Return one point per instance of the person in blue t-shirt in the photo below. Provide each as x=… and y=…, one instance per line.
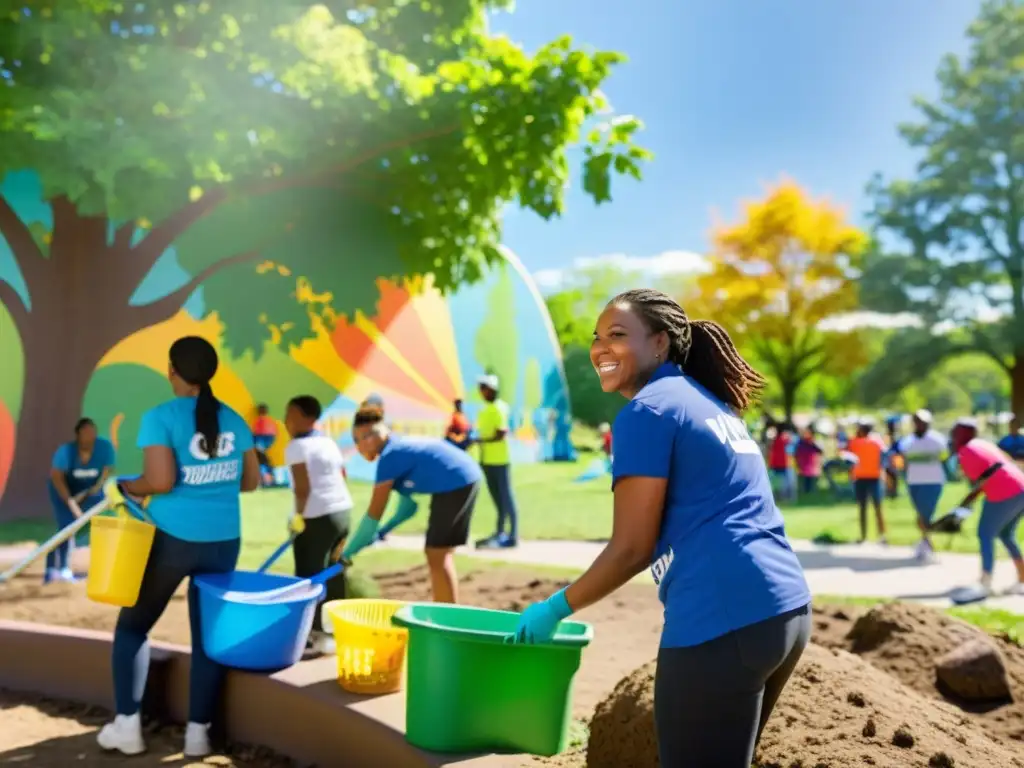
x=692, y=500
x=78, y=473
x=1012, y=444
x=418, y=465
x=198, y=454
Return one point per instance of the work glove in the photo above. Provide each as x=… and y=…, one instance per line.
x=362, y=538
x=538, y=623
x=296, y=525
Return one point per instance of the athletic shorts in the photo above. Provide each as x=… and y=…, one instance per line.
x=925, y=498
x=450, y=515
x=865, y=488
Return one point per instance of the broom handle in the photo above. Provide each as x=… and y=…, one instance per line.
x=54, y=541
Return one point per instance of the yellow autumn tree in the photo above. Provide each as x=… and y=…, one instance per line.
x=776, y=279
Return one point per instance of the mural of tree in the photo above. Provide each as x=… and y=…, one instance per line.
x=497, y=338
x=260, y=144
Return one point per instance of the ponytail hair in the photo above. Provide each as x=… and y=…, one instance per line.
x=194, y=361
x=701, y=348
x=208, y=419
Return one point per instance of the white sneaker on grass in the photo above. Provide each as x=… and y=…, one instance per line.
x=197, y=740
x=123, y=735
x=1016, y=589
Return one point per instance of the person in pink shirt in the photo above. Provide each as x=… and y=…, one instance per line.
x=808, y=455
x=993, y=474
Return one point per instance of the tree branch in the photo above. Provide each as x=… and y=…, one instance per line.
x=11, y=299
x=983, y=343
x=163, y=235
x=123, y=236
x=166, y=307
x=26, y=251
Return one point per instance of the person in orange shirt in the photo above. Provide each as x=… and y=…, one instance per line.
x=867, y=477
x=458, y=428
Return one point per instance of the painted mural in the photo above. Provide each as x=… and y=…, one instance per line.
x=314, y=303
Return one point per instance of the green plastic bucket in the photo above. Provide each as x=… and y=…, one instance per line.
x=467, y=690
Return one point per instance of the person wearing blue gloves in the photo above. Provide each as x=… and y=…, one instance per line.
x=418, y=465
x=693, y=501
x=198, y=454
x=78, y=473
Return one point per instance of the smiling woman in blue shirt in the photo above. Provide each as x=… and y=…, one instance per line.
x=198, y=454
x=693, y=501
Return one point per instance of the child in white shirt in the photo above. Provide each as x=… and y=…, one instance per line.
x=322, y=503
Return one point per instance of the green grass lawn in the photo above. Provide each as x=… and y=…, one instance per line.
x=552, y=506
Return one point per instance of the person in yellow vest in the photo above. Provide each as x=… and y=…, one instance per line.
x=492, y=426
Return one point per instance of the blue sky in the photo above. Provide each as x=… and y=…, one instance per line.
x=736, y=93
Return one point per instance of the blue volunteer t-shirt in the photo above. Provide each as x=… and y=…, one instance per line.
x=81, y=476
x=722, y=560
x=1013, y=446
x=203, y=505
x=425, y=465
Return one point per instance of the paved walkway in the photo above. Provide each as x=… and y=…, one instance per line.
x=865, y=570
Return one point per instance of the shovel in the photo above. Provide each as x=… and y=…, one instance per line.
x=54, y=541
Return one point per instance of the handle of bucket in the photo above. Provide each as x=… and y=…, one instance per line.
x=129, y=504
x=274, y=594
x=277, y=554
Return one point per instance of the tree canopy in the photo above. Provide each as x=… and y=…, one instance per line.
x=261, y=120
x=776, y=277
x=953, y=234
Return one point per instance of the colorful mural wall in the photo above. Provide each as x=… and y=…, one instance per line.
x=416, y=348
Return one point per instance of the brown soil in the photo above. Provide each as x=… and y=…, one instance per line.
x=864, y=694
x=905, y=640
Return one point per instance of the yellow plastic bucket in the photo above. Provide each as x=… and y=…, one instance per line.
x=371, y=652
x=118, y=552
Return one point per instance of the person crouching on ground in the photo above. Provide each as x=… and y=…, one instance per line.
x=323, y=504
x=198, y=454
x=994, y=475
x=418, y=465
x=693, y=501
x=922, y=452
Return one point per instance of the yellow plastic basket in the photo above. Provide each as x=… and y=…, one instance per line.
x=118, y=553
x=371, y=652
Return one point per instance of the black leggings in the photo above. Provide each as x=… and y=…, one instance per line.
x=313, y=548
x=171, y=561
x=711, y=701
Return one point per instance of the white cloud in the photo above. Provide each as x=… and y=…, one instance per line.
x=661, y=265
x=850, y=320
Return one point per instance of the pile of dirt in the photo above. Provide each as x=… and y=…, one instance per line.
x=45, y=733
x=838, y=711
x=910, y=641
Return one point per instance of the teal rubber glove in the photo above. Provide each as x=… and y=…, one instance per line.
x=407, y=507
x=362, y=538
x=538, y=622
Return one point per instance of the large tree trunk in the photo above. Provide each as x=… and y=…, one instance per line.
x=79, y=310
x=789, y=390
x=1017, y=385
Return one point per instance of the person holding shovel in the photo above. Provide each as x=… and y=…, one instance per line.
x=694, y=503
x=995, y=476
x=78, y=473
x=319, y=521
x=197, y=456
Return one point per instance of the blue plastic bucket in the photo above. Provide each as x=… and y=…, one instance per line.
x=260, y=637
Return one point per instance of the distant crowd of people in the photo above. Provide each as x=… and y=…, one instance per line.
x=870, y=466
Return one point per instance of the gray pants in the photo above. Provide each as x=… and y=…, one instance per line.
x=312, y=548
x=711, y=701
x=499, y=484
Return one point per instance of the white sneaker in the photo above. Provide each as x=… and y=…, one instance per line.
x=123, y=735
x=68, y=575
x=197, y=740
x=1016, y=589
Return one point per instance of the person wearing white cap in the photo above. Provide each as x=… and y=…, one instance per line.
x=492, y=426
x=922, y=451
